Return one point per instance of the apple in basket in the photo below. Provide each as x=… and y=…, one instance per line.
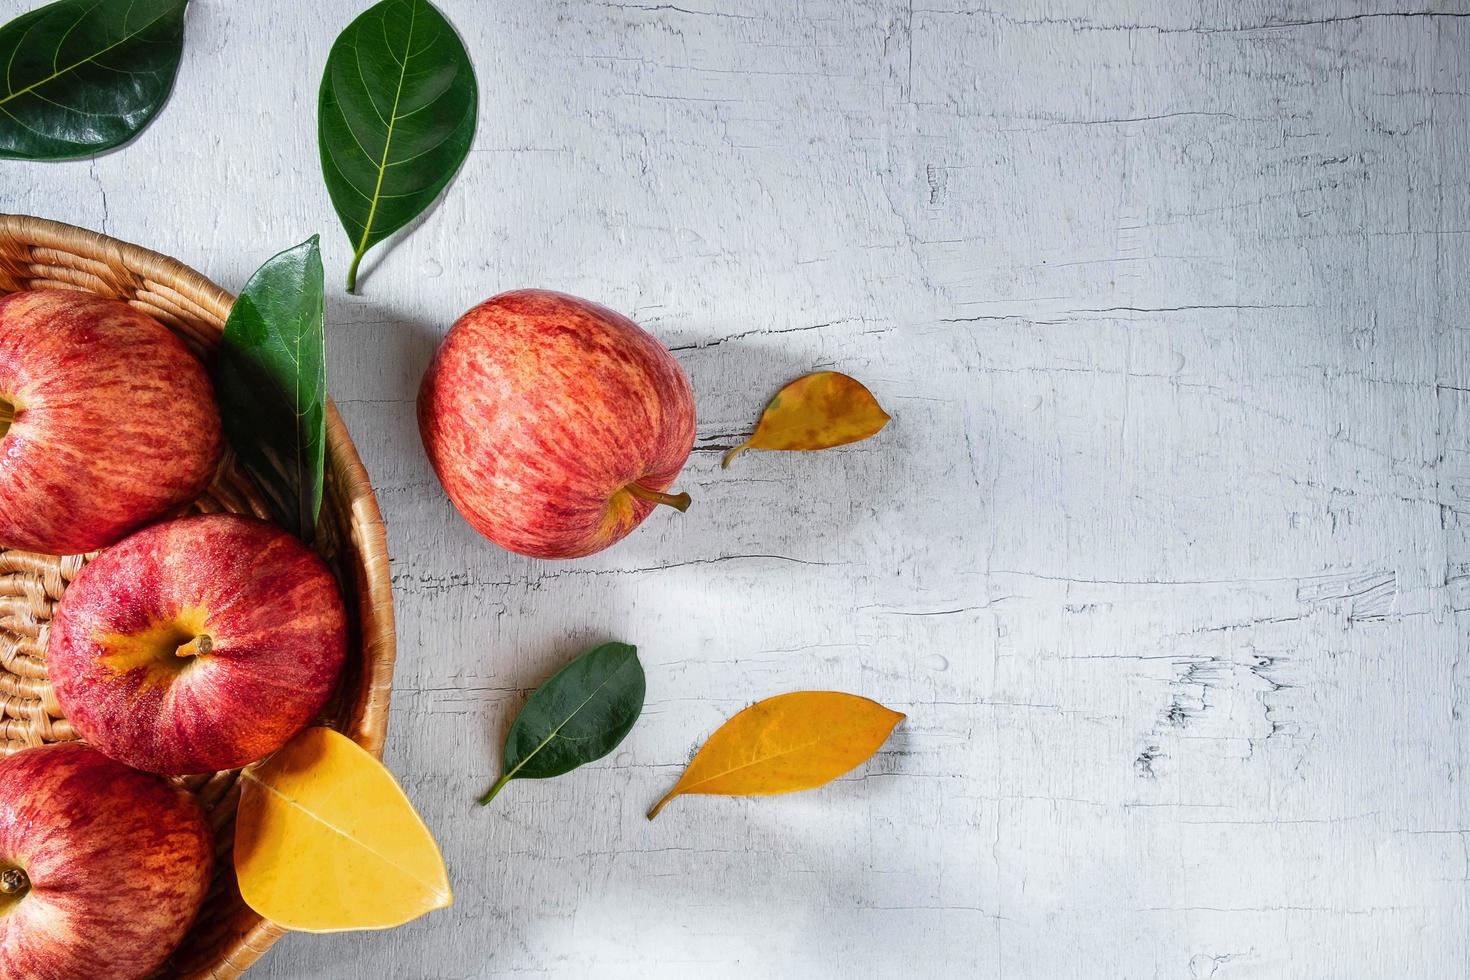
x=102, y=868
x=198, y=644
x=555, y=425
x=107, y=421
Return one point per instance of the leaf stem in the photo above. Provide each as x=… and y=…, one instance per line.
x=678, y=501
x=725, y=463
x=661, y=803
x=352, y=272
x=495, y=790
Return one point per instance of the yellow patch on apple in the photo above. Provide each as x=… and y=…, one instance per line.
x=162, y=649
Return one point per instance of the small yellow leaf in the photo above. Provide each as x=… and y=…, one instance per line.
x=325, y=841
x=786, y=743
x=818, y=411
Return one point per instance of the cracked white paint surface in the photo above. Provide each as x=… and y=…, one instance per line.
x=1166, y=554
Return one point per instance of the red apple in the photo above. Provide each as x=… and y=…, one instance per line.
x=107, y=422
x=102, y=868
x=198, y=644
x=555, y=424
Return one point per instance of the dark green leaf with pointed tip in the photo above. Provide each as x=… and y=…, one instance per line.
x=84, y=76
x=577, y=717
x=272, y=384
x=395, y=118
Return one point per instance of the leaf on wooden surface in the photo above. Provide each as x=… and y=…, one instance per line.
x=576, y=717
x=817, y=411
x=787, y=743
x=83, y=76
x=395, y=118
x=325, y=841
x=272, y=384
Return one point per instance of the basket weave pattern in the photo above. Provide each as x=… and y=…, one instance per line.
x=40, y=254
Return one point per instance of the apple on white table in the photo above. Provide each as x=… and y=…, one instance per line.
x=554, y=424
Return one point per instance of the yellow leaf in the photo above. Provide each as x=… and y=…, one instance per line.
x=818, y=411
x=786, y=743
x=325, y=841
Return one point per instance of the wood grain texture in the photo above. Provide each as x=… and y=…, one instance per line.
x=1166, y=553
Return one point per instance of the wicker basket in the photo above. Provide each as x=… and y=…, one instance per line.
x=35, y=253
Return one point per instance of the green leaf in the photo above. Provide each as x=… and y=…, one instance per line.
x=577, y=717
x=395, y=119
x=83, y=76
x=272, y=384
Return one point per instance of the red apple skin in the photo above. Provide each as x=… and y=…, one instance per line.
x=115, y=422
x=540, y=408
x=118, y=861
x=270, y=608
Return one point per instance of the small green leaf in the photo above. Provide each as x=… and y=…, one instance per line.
x=577, y=717
x=395, y=118
x=83, y=76
x=272, y=384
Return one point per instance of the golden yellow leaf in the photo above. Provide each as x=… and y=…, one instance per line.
x=325, y=841
x=818, y=411
x=786, y=743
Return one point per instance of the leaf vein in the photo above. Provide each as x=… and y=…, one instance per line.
x=92, y=57
x=567, y=720
x=431, y=887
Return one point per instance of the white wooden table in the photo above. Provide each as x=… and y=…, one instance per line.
x=1165, y=553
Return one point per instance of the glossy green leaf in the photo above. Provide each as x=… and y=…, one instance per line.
x=84, y=76
x=577, y=717
x=395, y=119
x=272, y=384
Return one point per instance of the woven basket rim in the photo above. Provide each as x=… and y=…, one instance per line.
x=145, y=268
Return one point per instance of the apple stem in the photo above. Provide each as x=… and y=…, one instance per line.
x=14, y=881
x=678, y=501
x=7, y=415
x=199, y=646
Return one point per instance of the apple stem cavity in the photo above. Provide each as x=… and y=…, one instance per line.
x=7, y=415
x=678, y=501
x=14, y=882
x=197, y=647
